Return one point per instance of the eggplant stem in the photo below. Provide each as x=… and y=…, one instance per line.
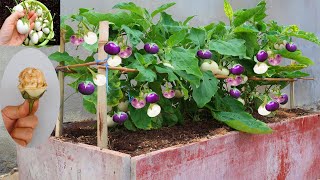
x=31, y=102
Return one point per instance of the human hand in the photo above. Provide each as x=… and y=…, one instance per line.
x=9, y=35
x=20, y=123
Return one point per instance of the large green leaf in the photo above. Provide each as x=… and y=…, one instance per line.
x=140, y=118
x=130, y=125
x=171, y=76
x=242, y=121
x=233, y=47
x=146, y=59
x=162, y=8
x=297, y=56
x=192, y=79
x=228, y=10
x=176, y=38
x=94, y=18
x=185, y=60
x=142, y=121
x=244, y=15
x=171, y=116
x=133, y=34
x=197, y=36
x=261, y=13
x=295, y=74
x=245, y=28
x=90, y=103
x=130, y=6
x=232, y=104
x=145, y=75
x=207, y=89
x=251, y=44
x=169, y=24
x=61, y=57
x=288, y=68
x=304, y=35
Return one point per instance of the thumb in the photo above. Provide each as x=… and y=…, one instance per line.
x=15, y=16
x=16, y=112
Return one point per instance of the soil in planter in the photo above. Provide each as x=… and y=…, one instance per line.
x=52, y=5
x=141, y=142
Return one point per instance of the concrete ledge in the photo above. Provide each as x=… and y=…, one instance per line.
x=63, y=160
x=291, y=152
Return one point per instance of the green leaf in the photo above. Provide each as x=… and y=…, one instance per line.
x=233, y=47
x=194, y=80
x=140, y=118
x=94, y=18
x=130, y=125
x=176, y=38
x=261, y=13
x=288, y=68
x=171, y=116
x=69, y=32
x=185, y=22
x=115, y=93
x=169, y=25
x=304, y=35
x=142, y=121
x=171, y=76
x=251, y=44
x=90, y=103
x=228, y=10
x=130, y=6
x=61, y=57
x=91, y=48
x=207, y=89
x=197, y=36
x=297, y=56
x=295, y=74
x=245, y=15
x=146, y=59
x=162, y=8
x=134, y=35
x=245, y=28
x=185, y=60
x=145, y=75
x=243, y=121
x=233, y=105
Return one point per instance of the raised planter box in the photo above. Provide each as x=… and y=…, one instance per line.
x=291, y=152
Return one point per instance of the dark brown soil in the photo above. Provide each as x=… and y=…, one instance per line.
x=140, y=142
x=52, y=5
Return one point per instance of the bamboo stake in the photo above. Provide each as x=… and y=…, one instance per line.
x=102, y=126
x=59, y=123
x=292, y=99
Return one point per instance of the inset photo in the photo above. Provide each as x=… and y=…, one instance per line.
x=30, y=23
x=30, y=98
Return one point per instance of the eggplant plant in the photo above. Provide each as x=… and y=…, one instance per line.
x=177, y=65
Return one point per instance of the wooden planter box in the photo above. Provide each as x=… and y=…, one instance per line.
x=291, y=152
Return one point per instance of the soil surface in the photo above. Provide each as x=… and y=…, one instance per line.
x=141, y=142
x=52, y=5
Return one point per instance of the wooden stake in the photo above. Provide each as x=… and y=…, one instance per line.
x=292, y=104
x=59, y=123
x=102, y=127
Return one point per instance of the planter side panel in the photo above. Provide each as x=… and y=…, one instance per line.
x=291, y=152
x=59, y=160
